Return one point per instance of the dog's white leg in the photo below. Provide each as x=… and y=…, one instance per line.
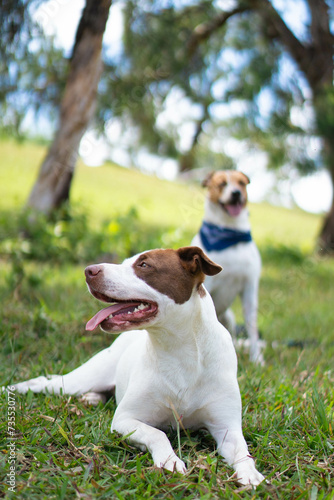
x=148, y=438
x=232, y=446
x=96, y=375
x=250, y=305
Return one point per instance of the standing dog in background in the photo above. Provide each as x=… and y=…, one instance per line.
x=226, y=238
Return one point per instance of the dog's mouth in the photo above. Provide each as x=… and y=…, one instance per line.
x=233, y=209
x=121, y=314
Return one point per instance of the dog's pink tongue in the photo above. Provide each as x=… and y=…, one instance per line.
x=234, y=210
x=101, y=316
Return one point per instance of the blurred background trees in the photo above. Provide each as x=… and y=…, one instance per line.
x=76, y=109
x=72, y=89
x=257, y=71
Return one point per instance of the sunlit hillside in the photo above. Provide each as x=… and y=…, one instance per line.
x=111, y=189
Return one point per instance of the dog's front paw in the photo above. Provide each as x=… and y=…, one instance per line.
x=37, y=384
x=247, y=474
x=173, y=463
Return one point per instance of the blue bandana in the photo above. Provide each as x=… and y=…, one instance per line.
x=219, y=238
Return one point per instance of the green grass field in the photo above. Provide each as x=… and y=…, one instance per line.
x=64, y=449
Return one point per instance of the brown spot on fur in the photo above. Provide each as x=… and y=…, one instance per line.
x=175, y=273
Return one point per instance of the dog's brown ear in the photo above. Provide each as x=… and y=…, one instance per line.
x=195, y=260
x=205, y=182
x=246, y=178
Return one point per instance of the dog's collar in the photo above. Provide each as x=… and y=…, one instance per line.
x=219, y=238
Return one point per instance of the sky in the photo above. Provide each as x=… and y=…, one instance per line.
x=312, y=193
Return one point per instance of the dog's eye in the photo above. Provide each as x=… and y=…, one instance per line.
x=242, y=183
x=223, y=184
x=143, y=264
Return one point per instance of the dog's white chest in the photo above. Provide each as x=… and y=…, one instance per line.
x=182, y=409
x=241, y=265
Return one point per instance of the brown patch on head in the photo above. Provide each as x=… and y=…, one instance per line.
x=175, y=273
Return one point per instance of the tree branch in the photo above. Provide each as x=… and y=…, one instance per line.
x=320, y=27
x=281, y=30
x=316, y=65
x=203, y=31
x=322, y=38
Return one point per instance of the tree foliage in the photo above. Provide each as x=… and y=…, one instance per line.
x=32, y=70
x=246, y=56
x=213, y=57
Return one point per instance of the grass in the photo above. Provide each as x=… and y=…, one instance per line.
x=64, y=449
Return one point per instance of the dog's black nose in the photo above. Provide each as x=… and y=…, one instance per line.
x=236, y=195
x=92, y=271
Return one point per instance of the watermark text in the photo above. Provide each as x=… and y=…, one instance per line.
x=11, y=434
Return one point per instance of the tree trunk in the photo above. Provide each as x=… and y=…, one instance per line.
x=326, y=236
x=53, y=184
x=187, y=160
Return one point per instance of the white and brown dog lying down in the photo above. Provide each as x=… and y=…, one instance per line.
x=174, y=365
x=226, y=238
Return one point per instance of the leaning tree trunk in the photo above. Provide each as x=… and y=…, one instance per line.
x=326, y=236
x=53, y=184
